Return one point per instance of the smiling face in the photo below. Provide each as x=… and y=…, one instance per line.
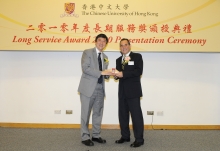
x=100, y=43
x=125, y=47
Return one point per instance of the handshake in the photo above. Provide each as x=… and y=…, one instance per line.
x=112, y=72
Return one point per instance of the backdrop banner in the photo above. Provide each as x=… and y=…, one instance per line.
x=150, y=25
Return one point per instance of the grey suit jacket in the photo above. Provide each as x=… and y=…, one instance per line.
x=90, y=72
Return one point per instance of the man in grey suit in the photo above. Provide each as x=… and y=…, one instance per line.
x=92, y=89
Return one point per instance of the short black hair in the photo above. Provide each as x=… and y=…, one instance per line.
x=101, y=36
x=126, y=40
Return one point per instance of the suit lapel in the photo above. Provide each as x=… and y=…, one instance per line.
x=131, y=54
x=105, y=64
x=95, y=59
x=120, y=63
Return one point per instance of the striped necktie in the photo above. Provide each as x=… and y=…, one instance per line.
x=100, y=67
x=123, y=63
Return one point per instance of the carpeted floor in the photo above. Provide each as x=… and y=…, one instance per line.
x=26, y=139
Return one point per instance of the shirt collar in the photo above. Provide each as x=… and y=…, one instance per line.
x=97, y=51
x=127, y=54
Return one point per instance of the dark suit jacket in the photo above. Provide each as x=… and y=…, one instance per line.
x=130, y=83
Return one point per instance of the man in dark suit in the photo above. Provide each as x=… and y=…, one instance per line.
x=92, y=89
x=130, y=68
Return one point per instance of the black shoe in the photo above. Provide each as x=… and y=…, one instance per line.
x=88, y=142
x=122, y=140
x=99, y=140
x=137, y=144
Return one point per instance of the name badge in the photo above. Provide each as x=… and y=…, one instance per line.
x=131, y=63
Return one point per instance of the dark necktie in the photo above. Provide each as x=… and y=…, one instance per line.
x=123, y=63
x=100, y=67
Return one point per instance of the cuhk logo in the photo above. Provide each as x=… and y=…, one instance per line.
x=69, y=7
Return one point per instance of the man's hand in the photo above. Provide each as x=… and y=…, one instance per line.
x=119, y=74
x=116, y=71
x=107, y=72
